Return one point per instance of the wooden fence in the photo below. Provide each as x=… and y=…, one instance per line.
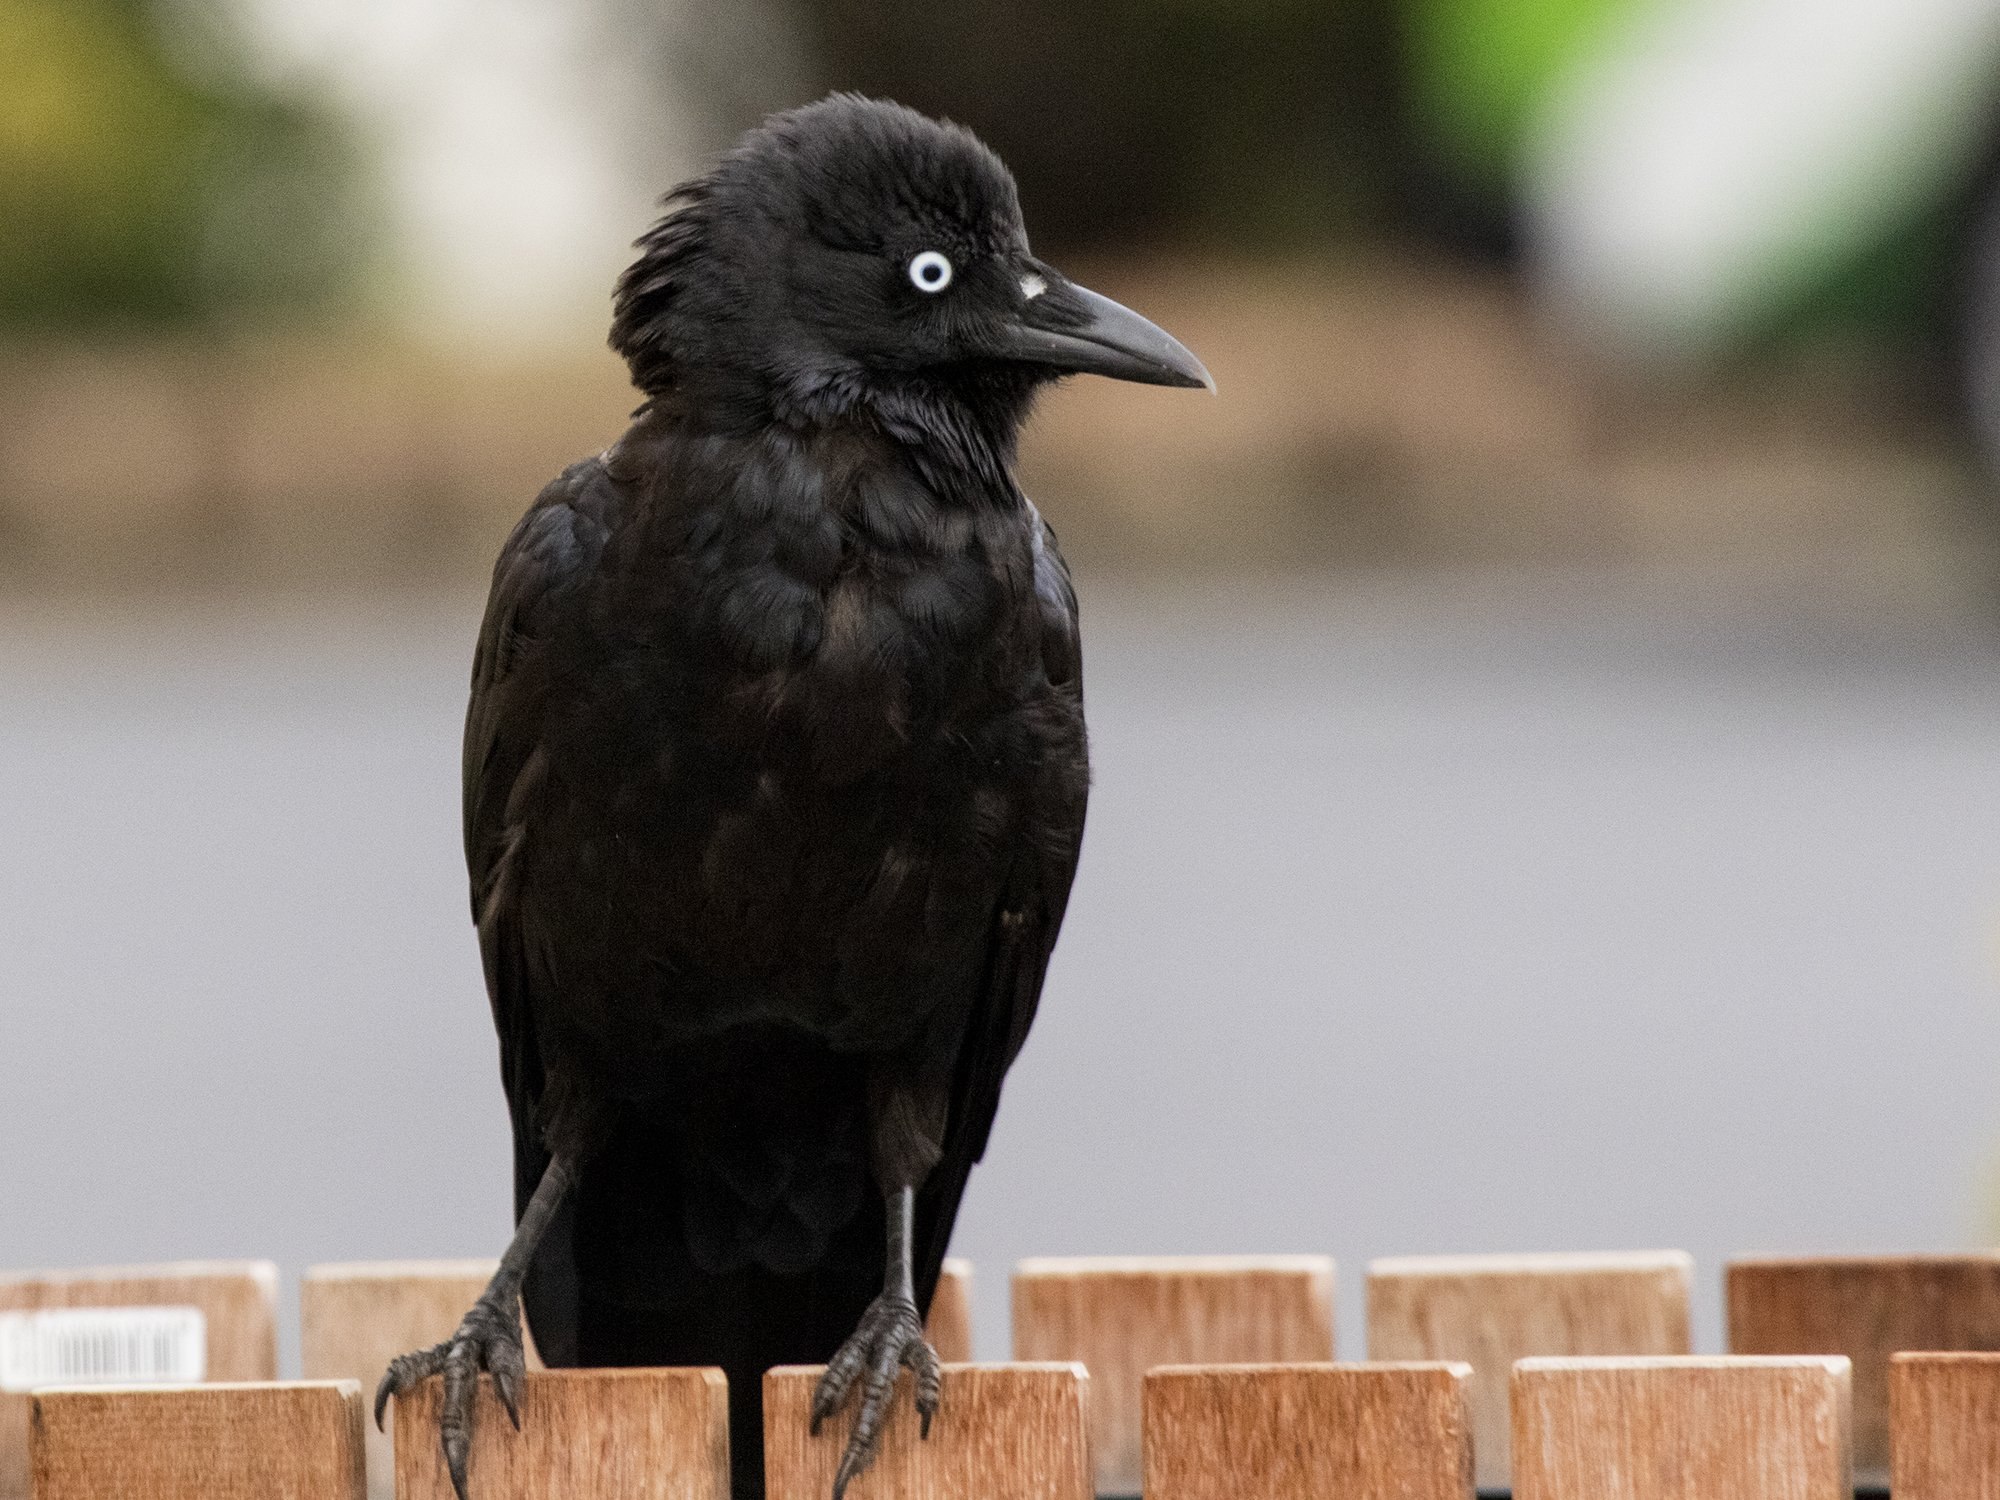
x=1560, y=1377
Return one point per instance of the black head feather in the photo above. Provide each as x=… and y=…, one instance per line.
x=788, y=259
x=785, y=284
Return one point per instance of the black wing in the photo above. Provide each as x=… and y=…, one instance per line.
x=1025, y=920
x=541, y=572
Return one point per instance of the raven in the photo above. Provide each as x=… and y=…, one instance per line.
x=775, y=774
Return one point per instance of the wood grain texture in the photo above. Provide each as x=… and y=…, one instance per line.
x=1681, y=1429
x=1003, y=1432
x=950, y=1323
x=265, y=1441
x=238, y=1300
x=1308, y=1432
x=1122, y=1316
x=355, y=1318
x=1867, y=1308
x=1490, y=1310
x=585, y=1435
x=1944, y=1426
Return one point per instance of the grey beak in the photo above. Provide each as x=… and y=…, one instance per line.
x=1109, y=339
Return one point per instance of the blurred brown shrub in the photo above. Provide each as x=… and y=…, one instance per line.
x=1368, y=414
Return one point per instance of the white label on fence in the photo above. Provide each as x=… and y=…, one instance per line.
x=103, y=1346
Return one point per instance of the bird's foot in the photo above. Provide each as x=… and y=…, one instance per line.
x=890, y=1336
x=489, y=1339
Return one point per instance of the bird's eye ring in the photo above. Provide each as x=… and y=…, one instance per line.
x=930, y=272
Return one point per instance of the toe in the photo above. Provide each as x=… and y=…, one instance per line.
x=877, y=1394
x=923, y=1362
x=405, y=1371
x=461, y=1386
x=509, y=1367
x=852, y=1462
x=456, y=1450
x=863, y=1441
x=838, y=1379
x=508, y=1389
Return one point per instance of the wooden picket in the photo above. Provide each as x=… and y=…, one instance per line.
x=584, y=1435
x=1944, y=1426
x=1867, y=1308
x=1122, y=1316
x=1490, y=1310
x=1308, y=1432
x=950, y=1322
x=237, y=1301
x=260, y=1441
x=1003, y=1432
x=1728, y=1428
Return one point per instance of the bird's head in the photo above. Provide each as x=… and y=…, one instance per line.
x=854, y=255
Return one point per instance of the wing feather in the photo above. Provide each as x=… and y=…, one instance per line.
x=536, y=582
x=1024, y=924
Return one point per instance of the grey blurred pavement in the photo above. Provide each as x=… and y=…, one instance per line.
x=1426, y=914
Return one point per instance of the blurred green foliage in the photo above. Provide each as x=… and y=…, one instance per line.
x=1242, y=122
x=1251, y=122
x=1481, y=69
x=146, y=178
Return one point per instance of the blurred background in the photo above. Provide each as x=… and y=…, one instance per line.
x=1547, y=710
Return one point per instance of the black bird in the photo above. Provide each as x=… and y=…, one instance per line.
x=775, y=774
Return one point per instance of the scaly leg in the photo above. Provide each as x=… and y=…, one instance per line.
x=890, y=1335
x=489, y=1339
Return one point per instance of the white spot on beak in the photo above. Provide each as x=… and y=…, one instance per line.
x=1032, y=286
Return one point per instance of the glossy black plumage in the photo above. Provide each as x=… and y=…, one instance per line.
x=778, y=826
x=775, y=764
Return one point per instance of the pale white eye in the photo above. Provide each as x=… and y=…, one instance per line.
x=930, y=272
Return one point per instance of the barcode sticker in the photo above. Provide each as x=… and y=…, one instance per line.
x=103, y=1346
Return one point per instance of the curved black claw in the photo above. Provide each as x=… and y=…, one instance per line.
x=891, y=1335
x=490, y=1340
